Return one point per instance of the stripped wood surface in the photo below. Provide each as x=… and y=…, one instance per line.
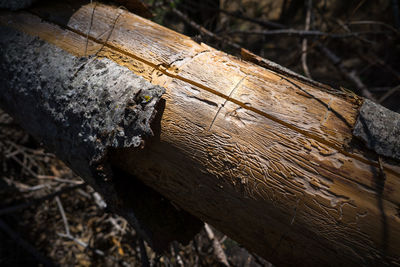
x=267, y=159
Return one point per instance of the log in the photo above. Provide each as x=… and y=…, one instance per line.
x=266, y=157
x=80, y=108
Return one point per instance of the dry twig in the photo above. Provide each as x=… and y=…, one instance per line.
x=63, y=216
x=237, y=14
x=305, y=33
x=389, y=93
x=350, y=75
x=304, y=42
x=218, y=251
x=203, y=30
x=81, y=243
x=363, y=22
x=57, y=179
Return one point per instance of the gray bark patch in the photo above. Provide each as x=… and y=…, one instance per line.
x=379, y=128
x=89, y=104
x=78, y=108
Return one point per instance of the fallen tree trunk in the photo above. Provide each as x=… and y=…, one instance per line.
x=266, y=157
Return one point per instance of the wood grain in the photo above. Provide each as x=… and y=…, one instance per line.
x=267, y=159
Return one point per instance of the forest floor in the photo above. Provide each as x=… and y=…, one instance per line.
x=49, y=216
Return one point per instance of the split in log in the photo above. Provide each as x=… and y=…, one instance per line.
x=267, y=158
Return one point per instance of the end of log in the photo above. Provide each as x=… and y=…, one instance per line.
x=92, y=105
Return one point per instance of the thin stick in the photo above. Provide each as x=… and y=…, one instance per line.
x=265, y=23
x=57, y=179
x=360, y=22
x=109, y=35
x=350, y=75
x=389, y=93
x=99, y=200
x=90, y=27
x=24, y=187
x=63, y=216
x=306, y=34
x=24, y=167
x=304, y=43
x=218, y=251
x=372, y=58
x=226, y=100
x=203, y=30
x=101, y=48
x=82, y=244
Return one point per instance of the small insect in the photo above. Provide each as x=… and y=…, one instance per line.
x=146, y=99
x=142, y=98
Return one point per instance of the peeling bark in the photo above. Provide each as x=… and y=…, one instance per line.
x=80, y=108
x=379, y=128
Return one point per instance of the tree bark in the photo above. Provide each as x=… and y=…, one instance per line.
x=267, y=158
x=81, y=108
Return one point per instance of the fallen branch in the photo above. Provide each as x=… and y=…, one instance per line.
x=305, y=33
x=304, y=42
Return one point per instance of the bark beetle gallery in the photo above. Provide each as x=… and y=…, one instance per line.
x=266, y=157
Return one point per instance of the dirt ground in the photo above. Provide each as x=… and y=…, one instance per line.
x=48, y=216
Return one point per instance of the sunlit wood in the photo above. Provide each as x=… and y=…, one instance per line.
x=265, y=158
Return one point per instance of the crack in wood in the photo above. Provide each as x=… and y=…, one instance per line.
x=226, y=100
x=103, y=44
x=90, y=27
x=217, y=93
x=187, y=60
x=328, y=109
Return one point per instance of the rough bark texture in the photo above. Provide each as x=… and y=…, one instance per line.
x=266, y=158
x=80, y=108
x=379, y=128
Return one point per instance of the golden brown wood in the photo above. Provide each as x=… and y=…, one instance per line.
x=267, y=159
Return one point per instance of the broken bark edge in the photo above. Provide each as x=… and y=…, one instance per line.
x=379, y=128
x=81, y=108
